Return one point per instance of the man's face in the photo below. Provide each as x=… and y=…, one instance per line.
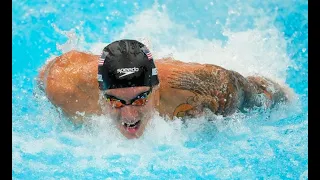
x=131, y=109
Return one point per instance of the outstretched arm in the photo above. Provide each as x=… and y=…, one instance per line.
x=260, y=91
x=188, y=88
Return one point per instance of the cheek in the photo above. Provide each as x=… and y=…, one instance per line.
x=108, y=110
x=104, y=107
x=147, y=109
x=152, y=103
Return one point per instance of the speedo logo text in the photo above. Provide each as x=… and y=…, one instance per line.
x=127, y=71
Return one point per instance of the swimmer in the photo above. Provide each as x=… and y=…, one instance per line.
x=128, y=85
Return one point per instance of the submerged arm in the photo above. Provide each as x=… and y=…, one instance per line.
x=222, y=91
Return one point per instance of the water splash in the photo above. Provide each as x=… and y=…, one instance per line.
x=256, y=145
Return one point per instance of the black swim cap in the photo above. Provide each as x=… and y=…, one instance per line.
x=126, y=63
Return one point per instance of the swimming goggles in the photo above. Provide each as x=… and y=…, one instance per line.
x=140, y=100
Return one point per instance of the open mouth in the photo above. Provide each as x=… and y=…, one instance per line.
x=131, y=127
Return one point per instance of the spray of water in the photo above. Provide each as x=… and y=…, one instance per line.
x=167, y=145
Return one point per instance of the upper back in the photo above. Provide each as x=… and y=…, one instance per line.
x=70, y=82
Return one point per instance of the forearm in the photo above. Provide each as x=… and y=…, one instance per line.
x=262, y=92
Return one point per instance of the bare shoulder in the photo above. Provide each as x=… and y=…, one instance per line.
x=176, y=63
x=187, y=88
x=70, y=82
x=73, y=59
x=168, y=66
x=65, y=64
x=66, y=59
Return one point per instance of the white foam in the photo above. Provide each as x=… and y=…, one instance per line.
x=255, y=51
x=261, y=50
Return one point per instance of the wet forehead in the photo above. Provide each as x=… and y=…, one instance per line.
x=127, y=93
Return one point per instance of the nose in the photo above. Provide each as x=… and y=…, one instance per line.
x=129, y=113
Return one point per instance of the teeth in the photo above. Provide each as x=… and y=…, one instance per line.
x=123, y=123
x=128, y=123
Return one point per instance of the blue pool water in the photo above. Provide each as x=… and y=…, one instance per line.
x=269, y=38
